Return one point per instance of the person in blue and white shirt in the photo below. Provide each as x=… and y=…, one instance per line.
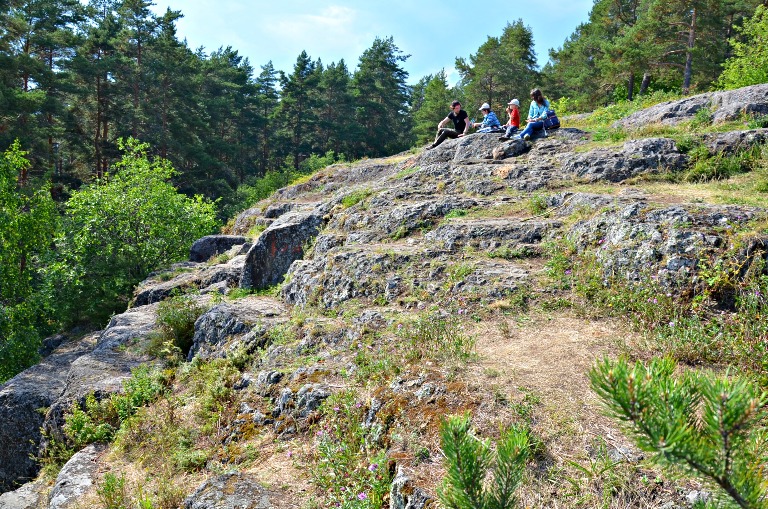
x=537, y=113
x=490, y=120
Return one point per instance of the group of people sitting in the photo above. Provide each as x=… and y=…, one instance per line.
x=537, y=113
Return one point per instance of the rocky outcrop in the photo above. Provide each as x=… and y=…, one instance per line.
x=218, y=278
x=231, y=491
x=228, y=326
x=282, y=243
x=21, y=399
x=28, y=496
x=212, y=245
x=638, y=241
x=404, y=494
x=721, y=106
x=76, y=477
x=636, y=157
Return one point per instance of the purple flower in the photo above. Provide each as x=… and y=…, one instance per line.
x=568, y=272
x=372, y=467
x=358, y=404
x=336, y=409
x=362, y=496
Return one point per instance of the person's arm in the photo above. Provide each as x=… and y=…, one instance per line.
x=443, y=122
x=467, y=126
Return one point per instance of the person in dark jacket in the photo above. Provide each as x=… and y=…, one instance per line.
x=460, y=121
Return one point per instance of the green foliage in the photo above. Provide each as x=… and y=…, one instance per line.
x=99, y=420
x=749, y=65
x=27, y=224
x=469, y=460
x=350, y=457
x=721, y=165
x=113, y=493
x=95, y=423
x=120, y=228
x=503, y=68
x=708, y=426
x=355, y=197
x=176, y=319
x=437, y=335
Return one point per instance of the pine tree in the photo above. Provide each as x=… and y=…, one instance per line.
x=469, y=460
x=435, y=107
x=712, y=427
x=381, y=95
x=503, y=68
x=298, y=108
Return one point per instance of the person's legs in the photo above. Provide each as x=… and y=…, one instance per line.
x=442, y=134
x=532, y=126
x=510, y=131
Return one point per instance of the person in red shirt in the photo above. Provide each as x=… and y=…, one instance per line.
x=513, y=124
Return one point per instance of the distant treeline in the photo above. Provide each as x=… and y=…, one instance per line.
x=76, y=78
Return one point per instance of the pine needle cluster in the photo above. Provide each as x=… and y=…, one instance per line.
x=711, y=427
x=470, y=461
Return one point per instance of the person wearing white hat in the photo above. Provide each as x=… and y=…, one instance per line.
x=513, y=124
x=490, y=120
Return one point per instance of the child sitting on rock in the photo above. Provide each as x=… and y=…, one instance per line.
x=490, y=121
x=513, y=124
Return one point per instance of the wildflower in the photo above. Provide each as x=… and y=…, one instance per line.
x=655, y=301
x=289, y=453
x=362, y=496
x=358, y=404
x=372, y=467
x=336, y=409
x=568, y=272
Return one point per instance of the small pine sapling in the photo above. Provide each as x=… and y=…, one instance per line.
x=711, y=427
x=469, y=460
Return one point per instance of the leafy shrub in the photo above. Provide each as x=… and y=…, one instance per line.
x=469, y=460
x=712, y=427
x=120, y=228
x=112, y=492
x=176, y=317
x=749, y=65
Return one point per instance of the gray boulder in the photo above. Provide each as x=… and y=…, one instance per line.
x=405, y=495
x=723, y=106
x=231, y=491
x=650, y=155
x=244, y=322
x=28, y=496
x=211, y=245
x=225, y=274
x=278, y=247
x=21, y=399
x=76, y=478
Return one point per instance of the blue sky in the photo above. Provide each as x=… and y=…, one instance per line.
x=433, y=32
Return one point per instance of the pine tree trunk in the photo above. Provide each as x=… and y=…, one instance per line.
x=689, y=53
x=631, y=86
x=645, y=84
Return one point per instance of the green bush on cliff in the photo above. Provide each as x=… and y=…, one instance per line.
x=119, y=229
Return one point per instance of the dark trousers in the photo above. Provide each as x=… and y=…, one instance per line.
x=444, y=133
